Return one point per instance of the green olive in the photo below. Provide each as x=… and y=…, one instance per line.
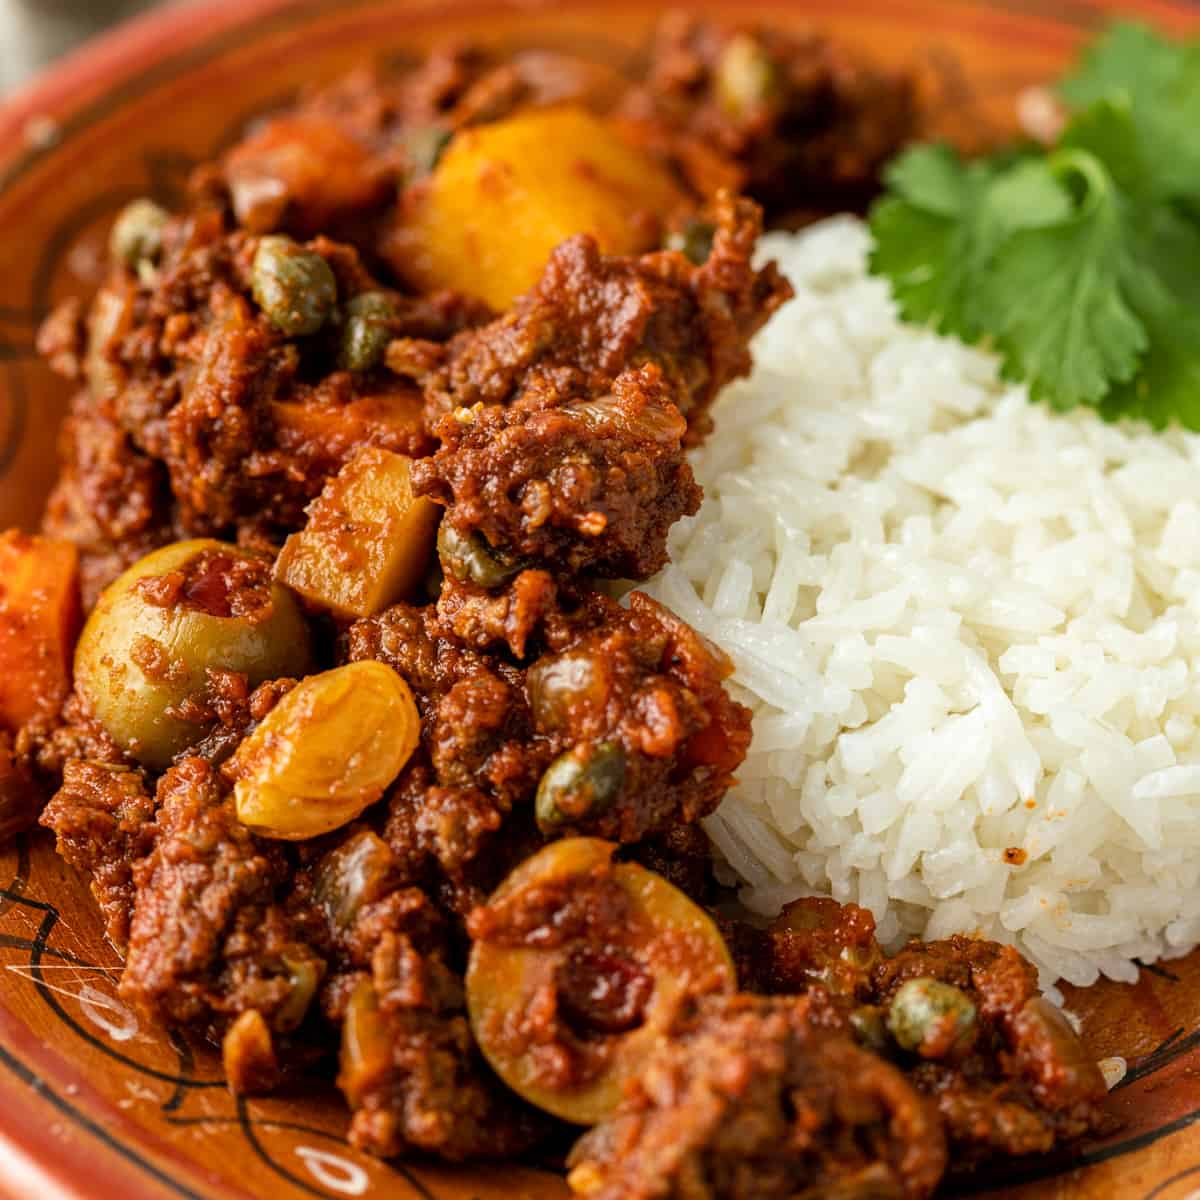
x=353, y=874
x=745, y=76
x=471, y=560
x=584, y=782
x=931, y=1018
x=612, y=988
x=304, y=977
x=694, y=241
x=295, y=287
x=137, y=661
x=136, y=236
x=367, y=1044
x=366, y=333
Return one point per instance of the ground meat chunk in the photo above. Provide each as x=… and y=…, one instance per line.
x=409, y=1068
x=110, y=499
x=635, y=684
x=595, y=484
x=208, y=941
x=102, y=817
x=591, y=317
x=203, y=419
x=1025, y=1081
x=792, y=118
x=750, y=1098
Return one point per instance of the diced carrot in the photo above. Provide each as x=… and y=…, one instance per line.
x=39, y=620
x=333, y=432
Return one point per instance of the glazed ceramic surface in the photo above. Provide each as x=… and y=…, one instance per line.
x=94, y=1102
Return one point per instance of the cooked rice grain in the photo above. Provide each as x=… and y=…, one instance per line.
x=968, y=629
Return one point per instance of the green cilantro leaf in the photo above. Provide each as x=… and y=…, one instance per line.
x=1053, y=297
x=1160, y=82
x=1079, y=264
x=941, y=225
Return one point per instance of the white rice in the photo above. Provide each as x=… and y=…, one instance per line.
x=964, y=624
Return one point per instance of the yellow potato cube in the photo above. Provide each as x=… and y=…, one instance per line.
x=368, y=540
x=504, y=195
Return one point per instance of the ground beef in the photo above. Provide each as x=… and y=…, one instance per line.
x=102, y=817
x=208, y=938
x=750, y=1098
x=1026, y=1081
x=795, y=120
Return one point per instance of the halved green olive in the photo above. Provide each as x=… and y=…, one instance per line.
x=328, y=749
x=582, y=783
x=471, y=560
x=931, y=1018
x=603, y=995
x=295, y=287
x=158, y=629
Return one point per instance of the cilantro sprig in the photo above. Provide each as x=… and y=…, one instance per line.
x=1079, y=263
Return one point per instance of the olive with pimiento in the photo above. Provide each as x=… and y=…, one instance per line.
x=610, y=949
x=158, y=630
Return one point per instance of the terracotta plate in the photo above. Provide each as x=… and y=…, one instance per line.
x=92, y=1102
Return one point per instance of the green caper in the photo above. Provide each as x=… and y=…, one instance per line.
x=136, y=237
x=931, y=1018
x=694, y=241
x=365, y=334
x=870, y=1028
x=577, y=786
x=293, y=286
x=745, y=75
x=425, y=147
x=470, y=559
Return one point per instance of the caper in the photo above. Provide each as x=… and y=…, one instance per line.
x=745, y=75
x=295, y=287
x=136, y=237
x=425, y=146
x=931, y=1018
x=365, y=334
x=694, y=241
x=470, y=559
x=870, y=1028
x=577, y=786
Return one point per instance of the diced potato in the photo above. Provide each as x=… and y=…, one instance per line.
x=505, y=194
x=368, y=540
x=39, y=618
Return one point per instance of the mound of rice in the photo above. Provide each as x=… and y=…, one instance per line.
x=968, y=629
